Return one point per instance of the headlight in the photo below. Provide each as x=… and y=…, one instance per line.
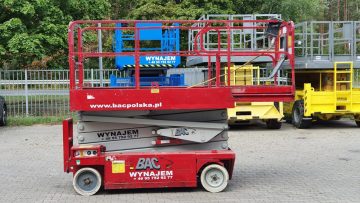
x=85, y=153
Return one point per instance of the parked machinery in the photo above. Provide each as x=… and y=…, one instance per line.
x=144, y=135
x=325, y=95
x=153, y=68
x=326, y=73
x=269, y=112
x=245, y=70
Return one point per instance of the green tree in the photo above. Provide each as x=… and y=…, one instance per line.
x=337, y=10
x=296, y=10
x=33, y=33
x=185, y=9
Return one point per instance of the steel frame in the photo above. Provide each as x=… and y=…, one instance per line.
x=241, y=34
x=321, y=43
x=210, y=96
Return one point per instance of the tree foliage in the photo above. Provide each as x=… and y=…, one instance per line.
x=33, y=33
x=186, y=9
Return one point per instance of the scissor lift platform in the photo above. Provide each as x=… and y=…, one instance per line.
x=161, y=136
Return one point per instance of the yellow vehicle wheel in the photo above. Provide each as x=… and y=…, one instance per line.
x=273, y=124
x=298, y=118
x=287, y=118
x=358, y=123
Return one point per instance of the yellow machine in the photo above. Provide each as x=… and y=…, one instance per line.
x=324, y=95
x=269, y=112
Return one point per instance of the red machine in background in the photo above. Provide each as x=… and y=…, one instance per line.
x=164, y=136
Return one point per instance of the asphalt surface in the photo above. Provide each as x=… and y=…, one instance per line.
x=288, y=165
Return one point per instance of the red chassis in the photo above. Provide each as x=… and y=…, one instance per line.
x=142, y=170
x=173, y=98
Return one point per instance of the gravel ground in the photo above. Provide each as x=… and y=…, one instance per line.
x=288, y=165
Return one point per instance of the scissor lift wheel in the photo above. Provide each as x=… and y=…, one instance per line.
x=214, y=178
x=87, y=181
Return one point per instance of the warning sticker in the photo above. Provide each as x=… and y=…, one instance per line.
x=155, y=90
x=118, y=166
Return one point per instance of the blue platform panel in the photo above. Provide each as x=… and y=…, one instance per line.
x=168, y=40
x=172, y=80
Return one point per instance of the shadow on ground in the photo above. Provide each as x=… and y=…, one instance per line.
x=261, y=126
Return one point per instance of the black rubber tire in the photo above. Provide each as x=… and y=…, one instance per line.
x=3, y=115
x=297, y=115
x=288, y=118
x=273, y=124
x=357, y=123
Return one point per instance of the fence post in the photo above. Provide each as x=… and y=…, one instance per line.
x=92, y=77
x=100, y=57
x=26, y=93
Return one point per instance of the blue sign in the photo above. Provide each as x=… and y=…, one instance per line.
x=169, y=42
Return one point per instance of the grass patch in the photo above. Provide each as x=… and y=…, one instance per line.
x=32, y=120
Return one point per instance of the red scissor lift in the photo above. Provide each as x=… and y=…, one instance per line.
x=151, y=137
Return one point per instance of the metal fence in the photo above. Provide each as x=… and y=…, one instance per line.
x=241, y=39
x=46, y=92
x=43, y=92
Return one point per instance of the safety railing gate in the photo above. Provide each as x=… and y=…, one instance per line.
x=319, y=42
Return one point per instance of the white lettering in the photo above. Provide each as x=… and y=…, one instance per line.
x=151, y=174
x=133, y=174
x=160, y=59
